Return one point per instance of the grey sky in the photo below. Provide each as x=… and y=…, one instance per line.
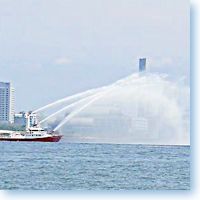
x=53, y=48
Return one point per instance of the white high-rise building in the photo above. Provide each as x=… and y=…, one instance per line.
x=6, y=102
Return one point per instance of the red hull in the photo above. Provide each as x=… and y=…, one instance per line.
x=54, y=138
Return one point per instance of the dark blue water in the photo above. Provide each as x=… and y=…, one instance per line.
x=93, y=166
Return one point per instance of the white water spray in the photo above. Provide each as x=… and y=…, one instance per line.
x=76, y=112
x=80, y=95
x=144, y=108
x=69, y=98
x=68, y=107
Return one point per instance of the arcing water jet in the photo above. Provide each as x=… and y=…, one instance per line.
x=68, y=107
x=77, y=111
x=80, y=95
x=69, y=98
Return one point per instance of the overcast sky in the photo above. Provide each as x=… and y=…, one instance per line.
x=53, y=48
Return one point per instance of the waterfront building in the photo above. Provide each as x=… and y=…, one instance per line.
x=20, y=119
x=6, y=102
x=142, y=64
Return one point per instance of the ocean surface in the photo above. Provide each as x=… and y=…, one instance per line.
x=72, y=166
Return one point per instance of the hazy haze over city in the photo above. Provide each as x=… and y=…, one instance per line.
x=51, y=49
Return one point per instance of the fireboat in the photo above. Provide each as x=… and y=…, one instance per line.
x=33, y=132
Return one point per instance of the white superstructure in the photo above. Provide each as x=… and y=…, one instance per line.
x=33, y=132
x=6, y=102
x=31, y=120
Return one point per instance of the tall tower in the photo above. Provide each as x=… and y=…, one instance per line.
x=6, y=102
x=142, y=64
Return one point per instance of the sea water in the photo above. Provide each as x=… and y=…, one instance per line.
x=73, y=166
